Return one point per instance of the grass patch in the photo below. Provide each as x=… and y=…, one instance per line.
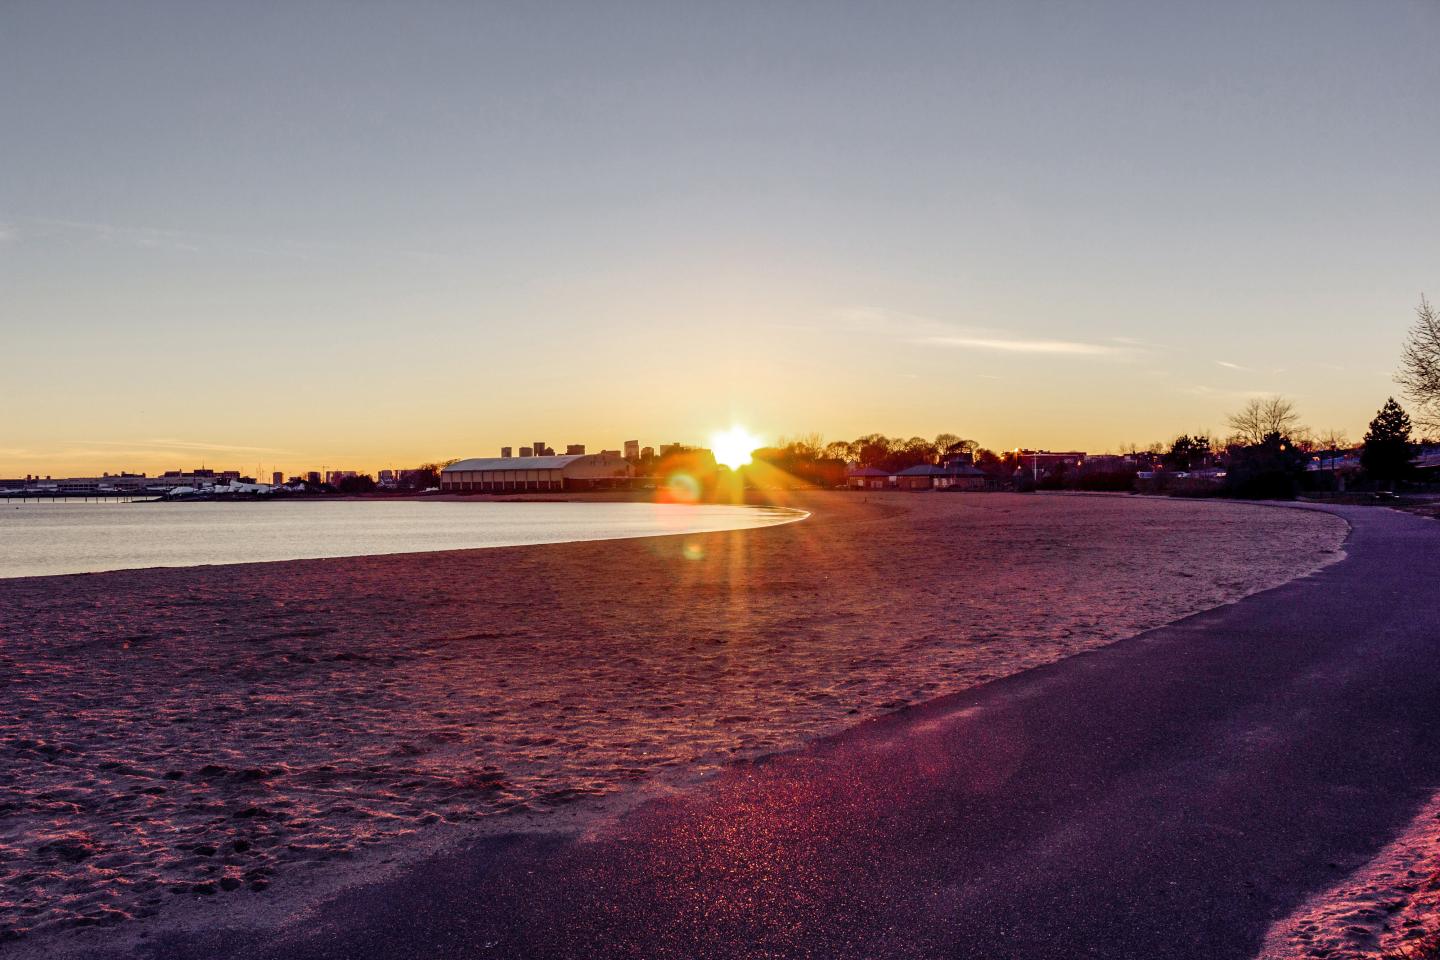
x=1421, y=948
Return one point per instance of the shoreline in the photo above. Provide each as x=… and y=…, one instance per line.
x=336, y=533
x=898, y=523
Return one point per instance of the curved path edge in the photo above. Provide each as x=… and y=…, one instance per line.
x=1170, y=795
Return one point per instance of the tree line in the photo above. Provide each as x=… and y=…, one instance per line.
x=875, y=450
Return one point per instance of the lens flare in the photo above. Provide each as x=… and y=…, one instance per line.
x=733, y=447
x=682, y=488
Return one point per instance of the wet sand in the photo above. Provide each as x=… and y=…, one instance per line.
x=174, y=740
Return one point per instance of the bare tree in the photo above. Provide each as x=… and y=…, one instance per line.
x=1330, y=443
x=873, y=449
x=918, y=450
x=1263, y=416
x=811, y=445
x=950, y=443
x=1419, y=372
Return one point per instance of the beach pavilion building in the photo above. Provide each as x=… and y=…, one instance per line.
x=592, y=471
x=951, y=476
x=866, y=478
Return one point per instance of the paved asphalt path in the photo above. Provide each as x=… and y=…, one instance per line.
x=1167, y=796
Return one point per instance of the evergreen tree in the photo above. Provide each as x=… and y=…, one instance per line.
x=1388, y=448
x=1187, y=452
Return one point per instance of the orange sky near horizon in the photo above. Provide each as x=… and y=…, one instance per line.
x=296, y=237
x=406, y=431
x=860, y=373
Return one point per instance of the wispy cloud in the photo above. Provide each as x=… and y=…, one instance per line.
x=1272, y=371
x=1216, y=393
x=201, y=445
x=152, y=238
x=883, y=322
x=1072, y=348
x=191, y=242
x=122, y=454
x=171, y=443
x=928, y=331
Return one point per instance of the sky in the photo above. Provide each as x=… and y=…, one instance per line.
x=360, y=235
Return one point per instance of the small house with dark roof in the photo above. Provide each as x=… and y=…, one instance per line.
x=951, y=476
x=959, y=475
x=866, y=478
x=922, y=476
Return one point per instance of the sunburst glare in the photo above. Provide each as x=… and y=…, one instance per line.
x=732, y=448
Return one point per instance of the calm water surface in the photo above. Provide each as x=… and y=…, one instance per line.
x=39, y=539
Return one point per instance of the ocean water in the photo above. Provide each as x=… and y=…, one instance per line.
x=41, y=539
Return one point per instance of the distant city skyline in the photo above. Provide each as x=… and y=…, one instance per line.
x=287, y=236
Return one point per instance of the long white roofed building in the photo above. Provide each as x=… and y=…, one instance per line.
x=585, y=471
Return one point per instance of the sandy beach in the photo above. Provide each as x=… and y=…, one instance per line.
x=177, y=740
x=1386, y=905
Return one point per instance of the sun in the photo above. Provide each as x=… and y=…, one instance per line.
x=733, y=447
